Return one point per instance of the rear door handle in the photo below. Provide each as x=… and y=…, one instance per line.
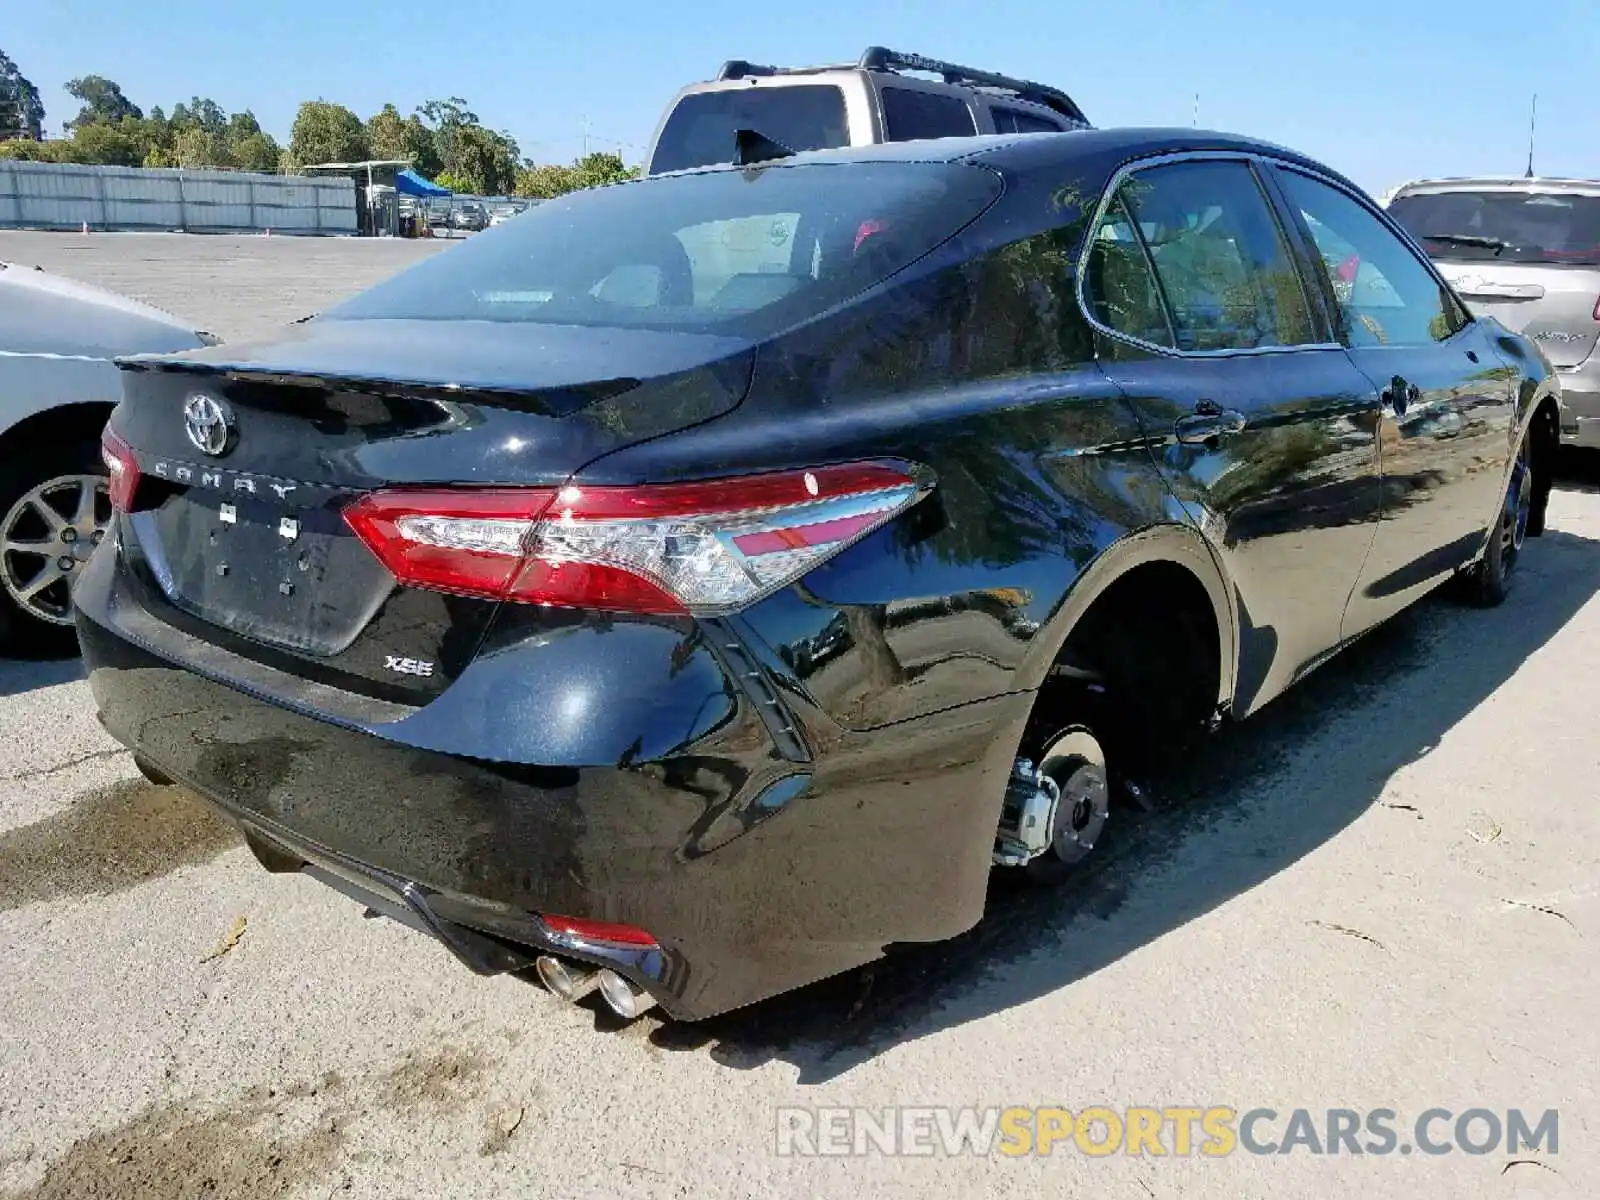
x=1400, y=395
x=1205, y=428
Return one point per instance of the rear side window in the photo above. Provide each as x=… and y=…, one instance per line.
x=910, y=116
x=701, y=129
x=1552, y=227
x=742, y=253
x=1221, y=259
x=1121, y=287
x=1014, y=120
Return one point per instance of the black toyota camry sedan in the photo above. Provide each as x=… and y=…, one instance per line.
x=697, y=586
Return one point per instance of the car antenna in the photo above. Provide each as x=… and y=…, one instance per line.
x=1533, y=124
x=750, y=147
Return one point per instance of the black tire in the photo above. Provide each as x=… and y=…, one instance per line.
x=42, y=628
x=1488, y=582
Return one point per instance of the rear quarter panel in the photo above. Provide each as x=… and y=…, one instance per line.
x=977, y=364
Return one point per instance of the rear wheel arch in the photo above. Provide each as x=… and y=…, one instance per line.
x=1165, y=567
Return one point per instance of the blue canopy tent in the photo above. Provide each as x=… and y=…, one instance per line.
x=408, y=183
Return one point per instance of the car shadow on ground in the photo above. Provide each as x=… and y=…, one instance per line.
x=1263, y=795
x=19, y=675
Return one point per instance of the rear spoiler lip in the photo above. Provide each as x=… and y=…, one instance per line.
x=553, y=402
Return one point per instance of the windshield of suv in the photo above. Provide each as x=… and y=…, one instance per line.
x=1519, y=226
x=700, y=131
x=736, y=252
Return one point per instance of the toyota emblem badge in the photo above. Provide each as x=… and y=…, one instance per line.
x=209, y=423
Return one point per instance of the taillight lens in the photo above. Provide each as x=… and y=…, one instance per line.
x=123, y=468
x=1597, y=308
x=704, y=547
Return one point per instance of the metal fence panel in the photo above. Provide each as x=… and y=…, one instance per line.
x=70, y=195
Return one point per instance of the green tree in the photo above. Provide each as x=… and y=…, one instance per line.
x=386, y=133
x=28, y=150
x=102, y=100
x=21, y=109
x=106, y=143
x=456, y=183
x=541, y=181
x=325, y=132
x=485, y=158
x=256, y=152
x=602, y=168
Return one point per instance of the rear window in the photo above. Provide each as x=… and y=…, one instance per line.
x=910, y=115
x=736, y=252
x=701, y=129
x=1551, y=227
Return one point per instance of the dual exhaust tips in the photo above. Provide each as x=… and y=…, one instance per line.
x=573, y=982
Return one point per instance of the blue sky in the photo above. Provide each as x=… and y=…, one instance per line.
x=1382, y=89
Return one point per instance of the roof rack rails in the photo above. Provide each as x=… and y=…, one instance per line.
x=879, y=58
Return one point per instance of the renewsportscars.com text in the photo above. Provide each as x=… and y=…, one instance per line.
x=1180, y=1131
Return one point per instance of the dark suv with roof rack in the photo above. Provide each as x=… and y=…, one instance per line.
x=885, y=96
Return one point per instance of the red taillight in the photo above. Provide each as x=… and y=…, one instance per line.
x=703, y=547
x=123, y=468
x=1597, y=308
x=469, y=541
x=581, y=929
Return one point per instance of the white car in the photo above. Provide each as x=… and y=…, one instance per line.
x=58, y=384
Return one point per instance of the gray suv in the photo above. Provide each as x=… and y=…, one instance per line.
x=1526, y=251
x=884, y=96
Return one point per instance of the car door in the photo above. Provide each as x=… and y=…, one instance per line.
x=1448, y=399
x=1262, y=426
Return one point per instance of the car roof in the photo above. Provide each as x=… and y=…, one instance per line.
x=1025, y=151
x=1498, y=183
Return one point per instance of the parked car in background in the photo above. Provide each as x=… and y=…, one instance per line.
x=57, y=386
x=1527, y=252
x=885, y=96
x=503, y=214
x=469, y=215
x=698, y=585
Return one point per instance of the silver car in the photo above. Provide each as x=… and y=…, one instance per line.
x=57, y=387
x=1526, y=251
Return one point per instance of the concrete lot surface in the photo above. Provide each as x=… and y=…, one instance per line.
x=1382, y=893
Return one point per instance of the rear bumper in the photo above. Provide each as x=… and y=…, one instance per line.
x=1580, y=403
x=756, y=873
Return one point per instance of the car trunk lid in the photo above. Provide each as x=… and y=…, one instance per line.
x=1553, y=305
x=242, y=539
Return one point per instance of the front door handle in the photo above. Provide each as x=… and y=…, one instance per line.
x=1207, y=428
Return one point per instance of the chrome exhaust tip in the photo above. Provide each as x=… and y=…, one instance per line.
x=623, y=998
x=567, y=980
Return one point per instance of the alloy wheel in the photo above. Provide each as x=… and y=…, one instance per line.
x=47, y=537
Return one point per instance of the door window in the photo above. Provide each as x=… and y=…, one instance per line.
x=1386, y=295
x=1014, y=120
x=1222, y=261
x=910, y=115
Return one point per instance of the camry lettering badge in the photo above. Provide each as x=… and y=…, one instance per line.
x=407, y=666
x=208, y=421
